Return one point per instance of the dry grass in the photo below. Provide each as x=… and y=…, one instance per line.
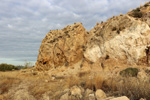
x=92, y=81
x=134, y=89
x=99, y=79
x=7, y=83
x=72, y=80
x=38, y=89
x=131, y=87
x=81, y=74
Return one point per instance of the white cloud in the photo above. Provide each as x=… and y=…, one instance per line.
x=10, y=26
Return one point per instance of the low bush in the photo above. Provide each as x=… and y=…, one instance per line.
x=146, y=5
x=129, y=72
x=137, y=13
x=7, y=67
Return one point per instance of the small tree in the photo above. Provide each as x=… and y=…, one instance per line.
x=27, y=64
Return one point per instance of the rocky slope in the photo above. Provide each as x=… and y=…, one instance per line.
x=124, y=38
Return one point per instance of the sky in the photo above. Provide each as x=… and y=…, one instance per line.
x=24, y=23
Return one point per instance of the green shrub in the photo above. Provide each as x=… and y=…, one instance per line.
x=7, y=67
x=129, y=72
x=146, y=5
x=114, y=29
x=137, y=13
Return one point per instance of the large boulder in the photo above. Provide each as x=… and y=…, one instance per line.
x=100, y=94
x=62, y=47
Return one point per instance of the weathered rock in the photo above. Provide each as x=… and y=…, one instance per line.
x=62, y=47
x=121, y=98
x=121, y=37
x=76, y=91
x=93, y=54
x=87, y=93
x=91, y=96
x=142, y=99
x=65, y=97
x=142, y=75
x=100, y=94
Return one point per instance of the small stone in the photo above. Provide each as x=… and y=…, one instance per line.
x=100, y=94
x=87, y=93
x=91, y=96
x=46, y=81
x=64, y=97
x=76, y=91
x=53, y=78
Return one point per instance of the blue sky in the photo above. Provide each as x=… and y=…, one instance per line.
x=24, y=23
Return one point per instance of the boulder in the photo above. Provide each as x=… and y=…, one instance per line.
x=91, y=97
x=121, y=98
x=100, y=94
x=87, y=94
x=76, y=91
x=142, y=75
x=65, y=97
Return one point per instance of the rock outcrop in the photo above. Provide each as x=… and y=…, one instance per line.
x=62, y=47
x=123, y=38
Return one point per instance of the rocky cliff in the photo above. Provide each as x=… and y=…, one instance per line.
x=123, y=38
x=62, y=47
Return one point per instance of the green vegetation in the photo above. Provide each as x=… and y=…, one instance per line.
x=146, y=5
x=129, y=72
x=10, y=67
x=137, y=13
x=7, y=67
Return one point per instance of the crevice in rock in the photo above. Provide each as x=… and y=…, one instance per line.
x=147, y=50
x=107, y=57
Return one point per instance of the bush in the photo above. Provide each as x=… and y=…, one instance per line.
x=137, y=13
x=7, y=67
x=129, y=72
x=114, y=29
x=146, y=5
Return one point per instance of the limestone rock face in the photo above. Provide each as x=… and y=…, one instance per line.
x=62, y=47
x=121, y=37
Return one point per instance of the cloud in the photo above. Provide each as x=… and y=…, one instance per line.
x=24, y=23
x=10, y=26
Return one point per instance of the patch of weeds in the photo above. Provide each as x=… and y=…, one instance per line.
x=129, y=72
x=137, y=13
